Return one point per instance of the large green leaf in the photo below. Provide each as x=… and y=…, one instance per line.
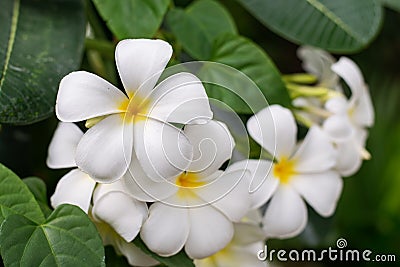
x=133, y=18
x=180, y=259
x=338, y=26
x=249, y=60
x=198, y=26
x=15, y=197
x=40, y=42
x=67, y=238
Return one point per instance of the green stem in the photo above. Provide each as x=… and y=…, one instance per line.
x=105, y=48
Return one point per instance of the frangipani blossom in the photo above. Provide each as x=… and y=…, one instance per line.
x=136, y=118
x=300, y=173
x=247, y=240
x=111, y=204
x=196, y=209
x=350, y=118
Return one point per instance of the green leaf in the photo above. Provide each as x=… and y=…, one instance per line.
x=198, y=26
x=133, y=18
x=250, y=60
x=337, y=26
x=40, y=42
x=15, y=197
x=38, y=189
x=67, y=238
x=394, y=4
x=180, y=259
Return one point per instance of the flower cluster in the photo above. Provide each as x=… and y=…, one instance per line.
x=135, y=172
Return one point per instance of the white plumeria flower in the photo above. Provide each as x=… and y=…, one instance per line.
x=300, y=172
x=76, y=187
x=197, y=208
x=247, y=240
x=346, y=126
x=111, y=204
x=135, y=118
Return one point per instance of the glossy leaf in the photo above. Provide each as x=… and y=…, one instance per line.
x=198, y=26
x=67, y=238
x=338, y=26
x=38, y=188
x=133, y=18
x=40, y=42
x=15, y=198
x=249, y=60
x=180, y=259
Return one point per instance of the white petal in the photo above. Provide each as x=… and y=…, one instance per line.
x=337, y=105
x=351, y=74
x=140, y=186
x=166, y=230
x=225, y=191
x=349, y=159
x=316, y=153
x=180, y=98
x=75, y=188
x=61, y=152
x=338, y=127
x=274, y=128
x=121, y=212
x=262, y=185
x=210, y=231
x=321, y=191
x=363, y=114
x=140, y=63
x=83, y=95
x=319, y=62
x=212, y=146
x=286, y=215
x=135, y=256
x=162, y=149
x=105, y=150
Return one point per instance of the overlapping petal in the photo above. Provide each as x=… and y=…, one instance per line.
x=120, y=211
x=166, y=230
x=61, y=152
x=210, y=231
x=181, y=98
x=140, y=63
x=75, y=188
x=274, y=128
x=83, y=95
x=162, y=149
x=321, y=190
x=105, y=150
x=212, y=146
x=316, y=153
x=262, y=185
x=286, y=215
x=349, y=159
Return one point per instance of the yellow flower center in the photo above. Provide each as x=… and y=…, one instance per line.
x=284, y=170
x=187, y=181
x=134, y=107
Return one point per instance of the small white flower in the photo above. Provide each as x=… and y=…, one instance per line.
x=247, y=240
x=194, y=210
x=111, y=204
x=350, y=118
x=300, y=172
x=136, y=118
